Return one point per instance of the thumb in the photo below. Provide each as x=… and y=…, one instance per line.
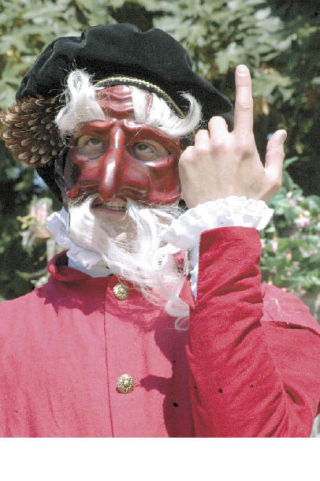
x=275, y=153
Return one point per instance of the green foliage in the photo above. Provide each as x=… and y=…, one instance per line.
x=277, y=40
x=16, y=187
x=27, y=26
x=291, y=253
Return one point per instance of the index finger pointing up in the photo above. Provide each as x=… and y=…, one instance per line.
x=243, y=112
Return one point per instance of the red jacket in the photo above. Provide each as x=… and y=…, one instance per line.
x=251, y=367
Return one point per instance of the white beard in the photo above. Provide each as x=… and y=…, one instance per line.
x=132, y=247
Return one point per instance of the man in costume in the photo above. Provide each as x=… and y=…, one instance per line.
x=154, y=321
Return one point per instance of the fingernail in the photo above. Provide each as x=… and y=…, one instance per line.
x=282, y=134
x=242, y=70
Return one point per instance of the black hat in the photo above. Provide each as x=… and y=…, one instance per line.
x=152, y=60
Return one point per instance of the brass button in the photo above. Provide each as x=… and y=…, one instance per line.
x=121, y=291
x=125, y=383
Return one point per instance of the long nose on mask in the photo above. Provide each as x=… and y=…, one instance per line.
x=121, y=174
x=111, y=164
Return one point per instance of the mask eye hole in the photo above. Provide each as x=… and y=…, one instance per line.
x=148, y=150
x=90, y=147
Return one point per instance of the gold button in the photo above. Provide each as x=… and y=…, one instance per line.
x=121, y=291
x=125, y=383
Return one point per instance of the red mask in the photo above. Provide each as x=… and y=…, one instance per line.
x=117, y=158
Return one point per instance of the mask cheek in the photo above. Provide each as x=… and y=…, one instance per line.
x=72, y=175
x=165, y=182
x=81, y=174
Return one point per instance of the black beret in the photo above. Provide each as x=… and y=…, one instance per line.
x=122, y=49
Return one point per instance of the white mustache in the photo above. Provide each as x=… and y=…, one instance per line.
x=114, y=204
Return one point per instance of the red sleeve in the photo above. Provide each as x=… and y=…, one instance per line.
x=248, y=378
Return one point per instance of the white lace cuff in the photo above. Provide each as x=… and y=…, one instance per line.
x=185, y=231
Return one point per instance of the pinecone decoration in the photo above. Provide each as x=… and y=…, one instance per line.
x=31, y=133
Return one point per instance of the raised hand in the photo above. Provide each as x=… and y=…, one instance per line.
x=223, y=163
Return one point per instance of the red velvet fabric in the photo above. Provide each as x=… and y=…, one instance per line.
x=251, y=367
x=252, y=374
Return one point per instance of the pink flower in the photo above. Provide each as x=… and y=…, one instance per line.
x=274, y=245
x=40, y=210
x=302, y=222
x=288, y=256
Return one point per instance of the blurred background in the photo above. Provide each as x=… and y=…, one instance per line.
x=280, y=42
